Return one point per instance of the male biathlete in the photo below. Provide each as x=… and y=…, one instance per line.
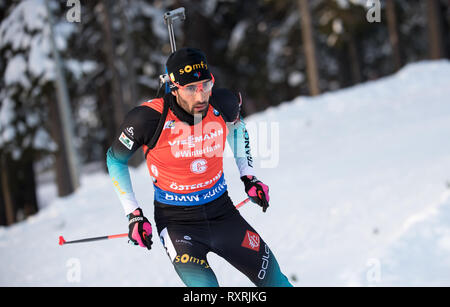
x=183, y=137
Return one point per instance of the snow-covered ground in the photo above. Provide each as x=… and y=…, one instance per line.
x=360, y=196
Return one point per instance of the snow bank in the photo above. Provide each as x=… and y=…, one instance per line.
x=359, y=183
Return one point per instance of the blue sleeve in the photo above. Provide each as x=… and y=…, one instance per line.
x=137, y=129
x=239, y=142
x=120, y=176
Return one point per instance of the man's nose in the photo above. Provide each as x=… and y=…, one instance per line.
x=199, y=94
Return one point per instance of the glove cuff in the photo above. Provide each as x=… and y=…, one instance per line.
x=248, y=179
x=136, y=215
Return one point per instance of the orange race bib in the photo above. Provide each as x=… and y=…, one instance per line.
x=186, y=164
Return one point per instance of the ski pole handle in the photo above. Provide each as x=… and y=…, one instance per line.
x=62, y=241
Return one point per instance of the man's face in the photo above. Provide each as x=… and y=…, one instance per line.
x=194, y=97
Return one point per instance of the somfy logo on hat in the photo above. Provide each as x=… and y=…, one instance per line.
x=189, y=68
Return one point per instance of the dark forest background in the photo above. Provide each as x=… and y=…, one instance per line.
x=270, y=50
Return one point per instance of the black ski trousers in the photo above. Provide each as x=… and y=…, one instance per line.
x=190, y=233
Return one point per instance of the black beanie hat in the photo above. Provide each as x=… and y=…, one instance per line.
x=187, y=65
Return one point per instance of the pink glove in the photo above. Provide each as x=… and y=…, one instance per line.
x=257, y=191
x=140, y=229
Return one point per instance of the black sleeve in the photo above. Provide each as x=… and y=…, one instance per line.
x=137, y=129
x=227, y=103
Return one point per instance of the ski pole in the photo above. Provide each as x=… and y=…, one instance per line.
x=242, y=203
x=62, y=241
